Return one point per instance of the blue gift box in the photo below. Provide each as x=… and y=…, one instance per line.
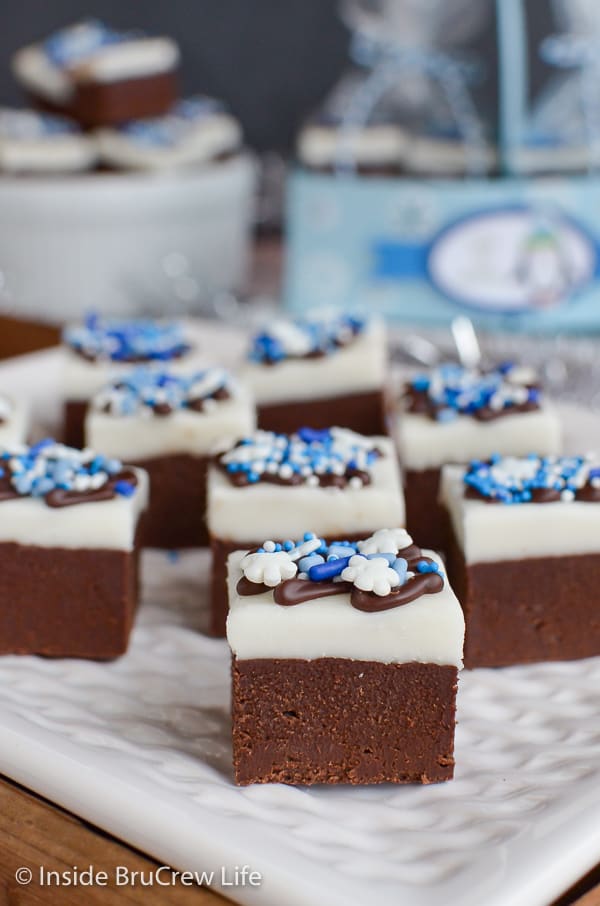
x=514, y=253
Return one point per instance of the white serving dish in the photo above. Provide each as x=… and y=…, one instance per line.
x=141, y=748
x=124, y=242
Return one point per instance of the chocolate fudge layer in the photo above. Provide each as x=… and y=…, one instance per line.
x=366, y=413
x=176, y=515
x=335, y=720
x=97, y=104
x=73, y=422
x=62, y=602
x=106, y=104
x=529, y=610
x=424, y=514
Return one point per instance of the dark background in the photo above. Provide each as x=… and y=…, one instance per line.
x=272, y=61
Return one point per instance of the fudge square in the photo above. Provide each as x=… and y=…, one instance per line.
x=101, y=349
x=345, y=662
x=68, y=551
x=319, y=371
x=169, y=425
x=524, y=557
x=335, y=480
x=99, y=76
x=453, y=414
x=14, y=421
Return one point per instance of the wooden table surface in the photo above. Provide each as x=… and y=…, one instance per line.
x=34, y=832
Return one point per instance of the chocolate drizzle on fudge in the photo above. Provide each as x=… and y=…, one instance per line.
x=332, y=457
x=62, y=476
x=306, y=338
x=161, y=392
x=128, y=342
x=451, y=390
x=533, y=479
x=380, y=573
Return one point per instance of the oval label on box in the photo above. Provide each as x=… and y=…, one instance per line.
x=512, y=260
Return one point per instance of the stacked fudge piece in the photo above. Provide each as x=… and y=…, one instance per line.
x=169, y=424
x=320, y=370
x=342, y=484
x=345, y=660
x=110, y=98
x=453, y=414
x=99, y=76
x=524, y=557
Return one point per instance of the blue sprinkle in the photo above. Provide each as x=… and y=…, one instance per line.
x=424, y=567
x=305, y=564
x=125, y=488
x=324, y=571
x=339, y=549
x=313, y=435
x=389, y=557
x=288, y=545
x=446, y=415
x=173, y=556
x=420, y=382
x=400, y=565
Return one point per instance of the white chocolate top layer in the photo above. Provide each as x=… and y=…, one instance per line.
x=203, y=141
x=377, y=145
x=14, y=428
x=104, y=524
x=427, y=444
x=31, y=142
x=428, y=630
x=444, y=157
x=143, y=436
x=81, y=379
x=358, y=367
x=265, y=510
x=37, y=72
x=492, y=532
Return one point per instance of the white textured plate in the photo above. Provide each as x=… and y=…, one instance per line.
x=141, y=747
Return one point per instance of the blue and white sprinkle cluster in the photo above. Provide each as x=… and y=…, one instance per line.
x=311, y=558
x=49, y=466
x=509, y=479
x=304, y=337
x=72, y=45
x=454, y=390
x=142, y=390
x=123, y=341
x=27, y=125
x=307, y=455
x=176, y=126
